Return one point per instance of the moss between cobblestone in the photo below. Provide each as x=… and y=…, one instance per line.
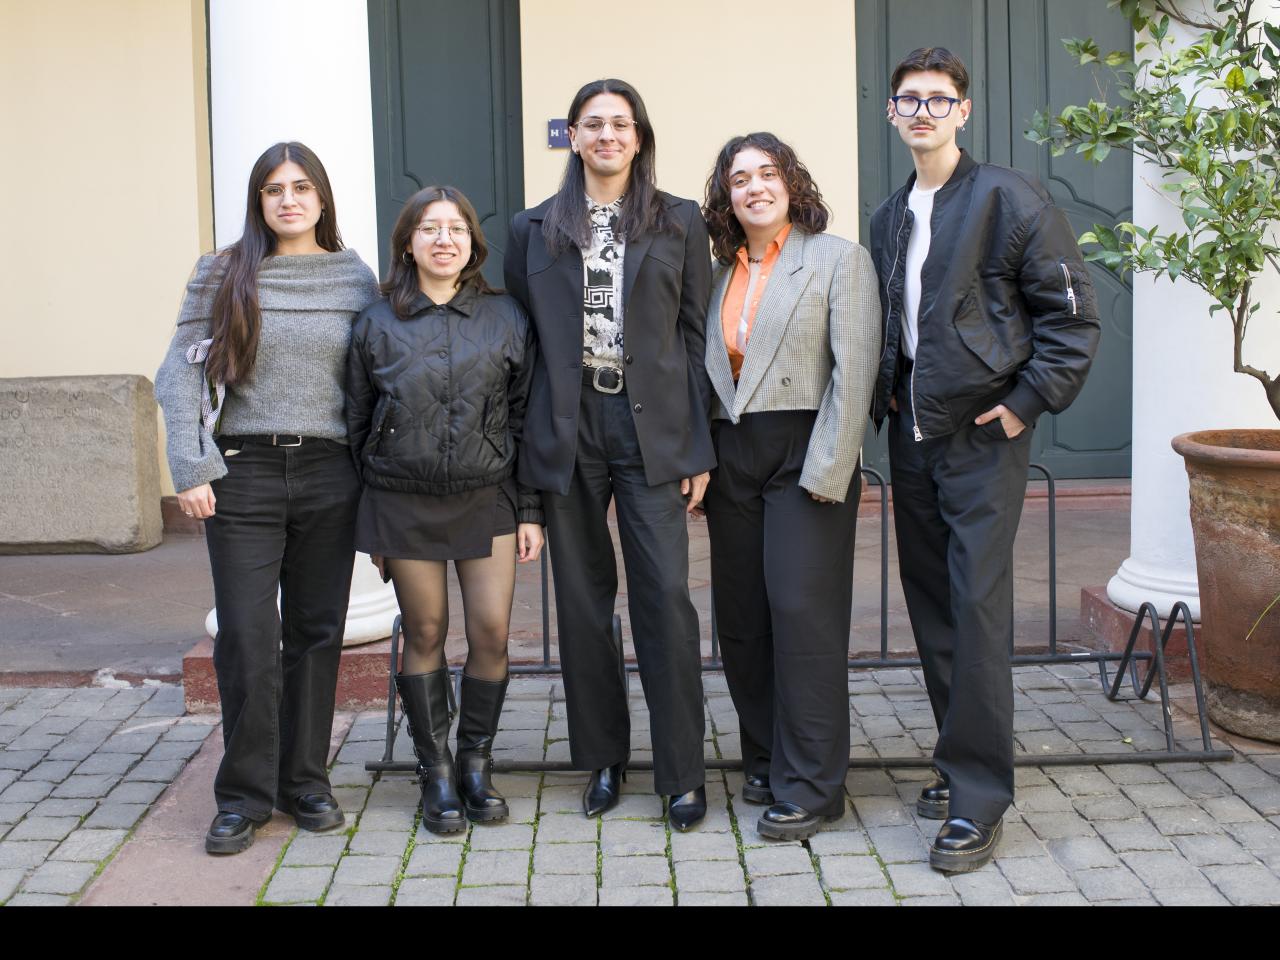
x=883, y=868
x=102, y=865
x=259, y=900
x=817, y=870
x=733, y=816
x=408, y=852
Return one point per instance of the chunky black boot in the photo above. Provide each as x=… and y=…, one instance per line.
x=478, y=715
x=425, y=697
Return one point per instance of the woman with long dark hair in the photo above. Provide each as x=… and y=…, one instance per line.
x=615, y=275
x=436, y=389
x=792, y=347
x=252, y=391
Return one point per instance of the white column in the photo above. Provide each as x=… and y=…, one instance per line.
x=1182, y=380
x=299, y=70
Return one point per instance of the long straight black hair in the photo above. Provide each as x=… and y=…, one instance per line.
x=642, y=212
x=237, y=318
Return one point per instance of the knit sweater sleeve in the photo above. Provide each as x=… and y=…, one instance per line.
x=193, y=456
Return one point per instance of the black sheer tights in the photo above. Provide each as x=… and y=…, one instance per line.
x=423, y=593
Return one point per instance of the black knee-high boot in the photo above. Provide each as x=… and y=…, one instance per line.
x=478, y=715
x=425, y=697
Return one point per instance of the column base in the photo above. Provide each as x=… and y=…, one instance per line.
x=1137, y=582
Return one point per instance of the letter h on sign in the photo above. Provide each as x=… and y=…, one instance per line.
x=558, y=134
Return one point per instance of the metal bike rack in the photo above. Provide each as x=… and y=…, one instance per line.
x=1130, y=659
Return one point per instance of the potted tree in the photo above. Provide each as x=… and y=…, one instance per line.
x=1205, y=115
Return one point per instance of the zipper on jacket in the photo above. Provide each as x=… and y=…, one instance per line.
x=915, y=422
x=1071, y=293
x=897, y=249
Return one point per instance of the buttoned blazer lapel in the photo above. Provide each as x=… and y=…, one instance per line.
x=781, y=294
x=633, y=254
x=717, y=359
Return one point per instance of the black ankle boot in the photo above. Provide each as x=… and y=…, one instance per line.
x=478, y=715
x=425, y=697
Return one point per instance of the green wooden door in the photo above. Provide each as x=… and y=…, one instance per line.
x=446, y=109
x=1017, y=66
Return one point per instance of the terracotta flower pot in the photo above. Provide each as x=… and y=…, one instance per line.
x=1235, y=519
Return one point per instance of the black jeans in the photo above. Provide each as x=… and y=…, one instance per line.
x=956, y=504
x=782, y=569
x=653, y=528
x=284, y=518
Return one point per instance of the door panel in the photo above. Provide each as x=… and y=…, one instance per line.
x=446, y=106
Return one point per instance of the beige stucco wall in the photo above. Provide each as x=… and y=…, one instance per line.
x=104, y=180
x=707, y=72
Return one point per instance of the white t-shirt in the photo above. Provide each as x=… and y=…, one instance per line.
x=921, y=204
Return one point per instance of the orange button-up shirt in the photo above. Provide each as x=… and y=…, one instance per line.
x=731, y=311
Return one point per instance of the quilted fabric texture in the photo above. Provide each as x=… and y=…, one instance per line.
x=435, y=402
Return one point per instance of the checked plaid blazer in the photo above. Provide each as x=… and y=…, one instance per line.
x=814, y=345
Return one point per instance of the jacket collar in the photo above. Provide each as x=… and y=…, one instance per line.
x=463, y=302
x=787, y=281
x=966, y=164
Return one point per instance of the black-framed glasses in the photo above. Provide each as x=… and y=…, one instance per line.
x=939, y=107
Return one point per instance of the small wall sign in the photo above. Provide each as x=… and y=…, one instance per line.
x=558, y=134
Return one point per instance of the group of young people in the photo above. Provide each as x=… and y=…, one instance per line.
x=311, y=413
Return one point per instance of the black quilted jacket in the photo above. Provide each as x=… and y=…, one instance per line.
x=436, y=403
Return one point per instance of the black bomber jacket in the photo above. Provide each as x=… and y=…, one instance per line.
x=1008, y=313
x=436, y=402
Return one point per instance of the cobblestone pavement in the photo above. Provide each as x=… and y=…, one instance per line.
x=1133, y=833
x=79, y=767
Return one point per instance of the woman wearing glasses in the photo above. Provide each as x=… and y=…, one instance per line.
x=793, y=336
x=252, y=394
x=437, y=382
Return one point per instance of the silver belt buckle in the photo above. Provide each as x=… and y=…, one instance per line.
x=275, y=440
x=595, y=379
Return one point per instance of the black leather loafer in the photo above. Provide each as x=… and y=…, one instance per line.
x=963, y=845
x=315, y=811
x=603, y=789
x=788, y=821
x=688, y=809
x=755, y=789
x=935, y=799
x=230, y=833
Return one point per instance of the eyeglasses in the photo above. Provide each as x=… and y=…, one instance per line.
x=620, y=125
x=275, y=191
x=457, y=232
x=939, y=107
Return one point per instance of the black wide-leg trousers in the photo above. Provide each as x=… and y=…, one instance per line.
x=782, y=572
x=956, y=504
x=284, y=520
x=653, y=530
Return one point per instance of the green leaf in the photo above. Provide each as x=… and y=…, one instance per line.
x=1236, y=80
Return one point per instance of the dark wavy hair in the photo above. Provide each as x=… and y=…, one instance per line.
x=807, y=210
x=237, y=317
x=401, y=286
x=642, y=212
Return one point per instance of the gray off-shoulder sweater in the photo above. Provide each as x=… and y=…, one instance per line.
x=308, y=304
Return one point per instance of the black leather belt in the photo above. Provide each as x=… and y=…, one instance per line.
x=603, y=379
x=271, y=439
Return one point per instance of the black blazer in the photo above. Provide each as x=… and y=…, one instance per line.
x=666, y=286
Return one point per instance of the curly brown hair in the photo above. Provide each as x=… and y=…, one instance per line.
x=807, y=210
